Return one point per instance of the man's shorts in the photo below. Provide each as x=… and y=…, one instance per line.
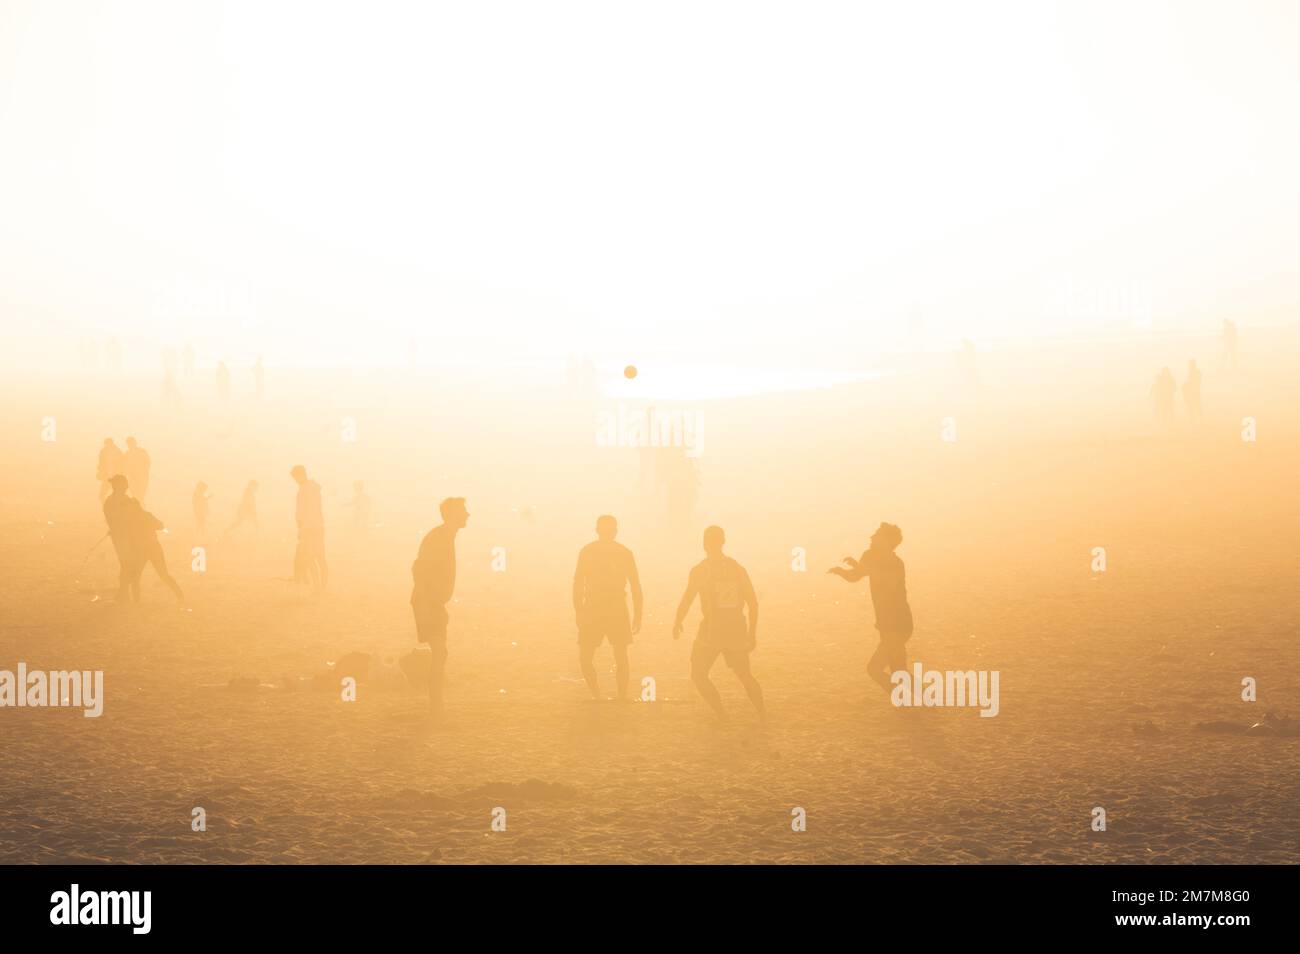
x=431, y=625
x=726, y=637
x=597, y=625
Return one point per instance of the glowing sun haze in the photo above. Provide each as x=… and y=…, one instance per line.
x=772, y=184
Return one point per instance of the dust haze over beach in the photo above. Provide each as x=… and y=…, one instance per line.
x=1104, y=675
x=866, y=270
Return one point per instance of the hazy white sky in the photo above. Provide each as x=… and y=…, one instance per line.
x=784, y=183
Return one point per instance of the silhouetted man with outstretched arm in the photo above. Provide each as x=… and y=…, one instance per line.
x=605, y=569
x=725, y=594
x=434, y=574
x=888, y=597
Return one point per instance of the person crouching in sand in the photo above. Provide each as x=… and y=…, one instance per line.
x=888, y=597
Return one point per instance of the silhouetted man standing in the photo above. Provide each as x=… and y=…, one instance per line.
x=725, y=593
x=605, y=569
x=434, y=574
x=888, y=598
x=121, y=512
x=311, y=531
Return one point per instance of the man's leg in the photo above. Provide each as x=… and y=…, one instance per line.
x=587, y=659
x=160, y=564
x=739, y=662
x=878, y=667
x=702, y=660
x=621, y=670
x=324, y=571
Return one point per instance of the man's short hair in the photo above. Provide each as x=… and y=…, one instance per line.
x=450, y=506
x=298, y=470
x=714, y=537
x=606, y=518
x=118, y=482
x=890, y=535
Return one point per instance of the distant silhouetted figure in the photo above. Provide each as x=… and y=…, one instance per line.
x=171, y=393
x=1192, y=393
x=199, y=501
x=605, y=570
x=1162, y=395
x=108, y=467
x=121, y=513
x=259, y=378
x=223, y=381
x=434, y=577
x=309, y=561
x=247, y=510
x=360, y=504
x=1230, y=343
x=725, y=593
x=888, y=597
x=136, y=464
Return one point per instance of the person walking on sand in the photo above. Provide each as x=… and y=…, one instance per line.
x=120, y=510
x=434, y=577
x=725, y=593
x=888, y=597
x=149, y=552
x=246, y=512
x=309, y=560
x=605, y=569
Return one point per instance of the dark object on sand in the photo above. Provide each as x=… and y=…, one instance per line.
x=1271, y=725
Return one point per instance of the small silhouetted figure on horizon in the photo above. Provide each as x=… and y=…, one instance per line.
x=434, y=576
x=259, y=378
x=360, y=504
x=171, y=393
x=1192, y=393
x=1230, y=343
x=109, y=466
x=1162, y=395
x=246, y=512
x=605, y=570
x=888, y=598
x=309, y=559
x=223, y=381
x=136, y=465
x=199, y=501
x=725, y=593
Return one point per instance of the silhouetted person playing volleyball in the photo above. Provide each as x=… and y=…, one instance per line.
x=888, y=597
x=605, y=570
x=434, y=575
x=725, y=593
